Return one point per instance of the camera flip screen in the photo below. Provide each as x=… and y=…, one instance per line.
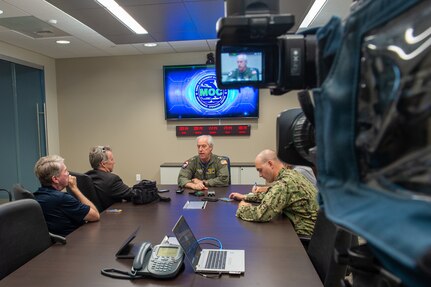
x=239, y=66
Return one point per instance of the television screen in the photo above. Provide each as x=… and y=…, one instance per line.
x=191, y=92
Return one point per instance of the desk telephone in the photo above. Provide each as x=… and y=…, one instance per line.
x=161, y=261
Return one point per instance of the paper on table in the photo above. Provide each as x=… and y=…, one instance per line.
x=195, y=205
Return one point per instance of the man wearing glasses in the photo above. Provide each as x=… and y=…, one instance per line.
x=109, y=187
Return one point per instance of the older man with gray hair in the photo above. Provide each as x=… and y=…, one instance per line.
x=206, y=169
x=63, y=212
x=109, y=187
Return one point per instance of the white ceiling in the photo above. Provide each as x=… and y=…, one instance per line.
x=199, y=16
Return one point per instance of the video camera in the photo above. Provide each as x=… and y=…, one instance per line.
x=255, y=31
x=370, y=119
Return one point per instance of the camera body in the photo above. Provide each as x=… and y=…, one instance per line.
x=370, y=118
x=261, y=41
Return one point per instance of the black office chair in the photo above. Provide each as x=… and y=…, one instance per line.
x=86, y=186
x=8, y=193
x=326, y=241
x=23, y=234
x=19, y=192
x=228, y=167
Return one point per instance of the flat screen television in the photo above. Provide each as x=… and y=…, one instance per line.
x=191, y=92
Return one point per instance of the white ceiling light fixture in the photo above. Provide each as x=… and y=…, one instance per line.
x=312, y=13
x=150, y=44
x=1, y=11
x=63, y=42
x=122, y=16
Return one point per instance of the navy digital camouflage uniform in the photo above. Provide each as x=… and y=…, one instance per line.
x=214, y=173
x=250, y=74
x=291, y=194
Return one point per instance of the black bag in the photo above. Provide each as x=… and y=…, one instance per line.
x=146, y=192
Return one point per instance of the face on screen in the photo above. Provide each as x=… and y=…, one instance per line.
x=242, y=67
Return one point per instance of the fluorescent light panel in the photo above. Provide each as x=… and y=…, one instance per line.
x=122, y=16
x=314, y=10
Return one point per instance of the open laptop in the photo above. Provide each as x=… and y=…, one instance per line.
x=208, y=260
x=128, y=249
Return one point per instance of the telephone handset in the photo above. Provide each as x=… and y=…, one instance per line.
x=160, y=261
x=141, y=260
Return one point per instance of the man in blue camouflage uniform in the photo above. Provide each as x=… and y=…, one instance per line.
x=291, y=194
x=204, y=170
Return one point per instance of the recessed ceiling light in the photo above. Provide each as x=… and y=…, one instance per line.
x=63, y=42
x=150, y=44
x=52, y=21
x=1, y=11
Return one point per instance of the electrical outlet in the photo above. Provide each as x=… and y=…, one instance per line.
x=138, y=177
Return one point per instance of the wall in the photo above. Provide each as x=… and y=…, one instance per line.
x=118, y=101
x=22, y=56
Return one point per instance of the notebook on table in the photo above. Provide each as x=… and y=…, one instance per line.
x=207, y=260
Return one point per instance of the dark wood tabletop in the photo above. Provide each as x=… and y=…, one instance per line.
x=274, y=255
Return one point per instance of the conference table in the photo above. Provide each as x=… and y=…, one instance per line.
x=274, y=255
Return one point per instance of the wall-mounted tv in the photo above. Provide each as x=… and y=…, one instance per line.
x=191, y=92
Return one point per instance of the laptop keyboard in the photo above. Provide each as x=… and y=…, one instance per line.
x=216, y=260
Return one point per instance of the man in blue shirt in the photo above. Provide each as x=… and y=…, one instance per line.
x=63, y=212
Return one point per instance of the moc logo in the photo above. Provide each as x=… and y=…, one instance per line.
x=207, y=94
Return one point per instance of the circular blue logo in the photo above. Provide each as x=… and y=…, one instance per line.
x=208, y=94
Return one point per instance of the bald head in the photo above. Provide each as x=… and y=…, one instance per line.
x=268, y=165
x=266, y=155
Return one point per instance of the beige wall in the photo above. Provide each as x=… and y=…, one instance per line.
x=118, y=101
x=22, y=56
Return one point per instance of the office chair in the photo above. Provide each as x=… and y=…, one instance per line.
x=23, y=234
x=8, y=193
x=228, y=167
x=19, y=192
x=328, y=239
x=86, y=186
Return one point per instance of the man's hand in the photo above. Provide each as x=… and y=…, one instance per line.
x=243, y=203
x=198, y=184
x=72, y=183
x=237, y=196
x=257, y=189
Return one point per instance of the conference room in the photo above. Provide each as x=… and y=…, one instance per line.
x=92, y=81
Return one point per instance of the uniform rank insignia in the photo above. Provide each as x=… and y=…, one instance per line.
x=223, y=161
x=185, y=164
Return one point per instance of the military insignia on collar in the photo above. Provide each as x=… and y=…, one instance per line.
x=185, y=164
x=223, y=161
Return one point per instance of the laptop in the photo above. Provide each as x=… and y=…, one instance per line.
x=128, y=249
x=207, y=260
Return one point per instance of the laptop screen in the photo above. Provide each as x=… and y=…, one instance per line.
x=188, y=241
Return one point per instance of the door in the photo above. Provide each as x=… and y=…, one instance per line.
x=22, y=125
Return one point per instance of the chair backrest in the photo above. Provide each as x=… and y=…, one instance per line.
x=23, y=234
x=228, y=167
x=326, y=239
x=86, y=186
x=8, y=193
x=19, y=192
